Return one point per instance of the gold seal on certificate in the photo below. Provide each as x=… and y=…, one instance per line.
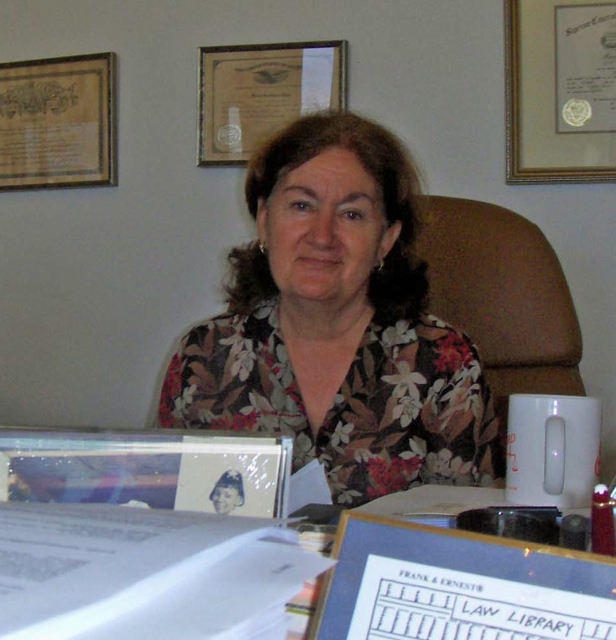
x=229, y=135
x=577, y=112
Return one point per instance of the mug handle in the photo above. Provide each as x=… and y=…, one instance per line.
x=554, y=469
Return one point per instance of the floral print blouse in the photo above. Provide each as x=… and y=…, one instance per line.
x=414, y=407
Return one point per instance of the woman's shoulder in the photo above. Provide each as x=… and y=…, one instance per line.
x=202, y=328
x=430, y=349
x=227, y=323
x=452, y=349
x=429, y=339
x=427, y=327
x=431, y=327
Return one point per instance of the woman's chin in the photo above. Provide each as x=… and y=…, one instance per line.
x=313, y=295
x=322, y=293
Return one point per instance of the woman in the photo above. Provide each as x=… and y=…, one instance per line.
x=326, y=338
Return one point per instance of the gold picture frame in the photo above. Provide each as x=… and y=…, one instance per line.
x=246, y=92
x=397, y=579
x=560, y=91
x=58, y=123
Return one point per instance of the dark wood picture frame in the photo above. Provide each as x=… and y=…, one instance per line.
x=58, y=122
x=247, y=92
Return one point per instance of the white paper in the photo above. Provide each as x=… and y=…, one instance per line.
x=399, y=599
x=434, y=499
x=242, y=597
x=65, y=568
x=309, y=486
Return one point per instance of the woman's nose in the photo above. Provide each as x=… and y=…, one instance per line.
x=323, y=231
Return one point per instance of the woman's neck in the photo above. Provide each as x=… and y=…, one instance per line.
x=315, y=322
x=321, y=346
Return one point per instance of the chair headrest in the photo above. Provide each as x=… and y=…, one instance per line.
x=494, y=274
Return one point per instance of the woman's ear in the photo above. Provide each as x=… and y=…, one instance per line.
x=262, y=220
x=390, y=235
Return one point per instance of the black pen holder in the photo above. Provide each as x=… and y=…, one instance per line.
x=532, y=524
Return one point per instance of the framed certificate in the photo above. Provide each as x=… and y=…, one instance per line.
x=208, y=471
x=248, y=92
x=396, y=580
x=561, y=91
x=58, y=122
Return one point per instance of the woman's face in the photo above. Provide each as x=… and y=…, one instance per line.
x=225, y=499
x=325, y=229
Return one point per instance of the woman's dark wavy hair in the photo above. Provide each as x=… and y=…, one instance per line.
x=399, y=290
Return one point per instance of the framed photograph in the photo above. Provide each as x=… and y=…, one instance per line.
x=58, y=122
x=561, y=91
x=400, y=580
x=208, y=471
x=248, y=92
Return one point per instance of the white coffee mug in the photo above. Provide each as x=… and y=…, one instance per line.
x=553, y=450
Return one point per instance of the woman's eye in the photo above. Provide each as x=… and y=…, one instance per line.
x=301, y=205
x=352, y=214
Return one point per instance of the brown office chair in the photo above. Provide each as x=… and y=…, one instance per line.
x=494, y=274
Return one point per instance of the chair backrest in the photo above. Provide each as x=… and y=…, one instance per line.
x=494, y=274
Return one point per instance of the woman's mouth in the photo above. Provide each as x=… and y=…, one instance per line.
x=319, y=263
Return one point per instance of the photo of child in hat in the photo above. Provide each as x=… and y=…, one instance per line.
x=228, y=492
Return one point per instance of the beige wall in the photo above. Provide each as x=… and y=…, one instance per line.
x=96, y=285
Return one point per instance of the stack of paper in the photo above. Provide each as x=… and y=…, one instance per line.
x=94, y=572
x=434, y=504
x=317, y=539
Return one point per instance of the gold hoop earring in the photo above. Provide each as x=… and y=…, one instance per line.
x=262, y=248
x=381, y=265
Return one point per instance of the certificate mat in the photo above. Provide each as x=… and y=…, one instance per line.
x=400, y=580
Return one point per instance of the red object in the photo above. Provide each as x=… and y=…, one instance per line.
x=602, y=517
